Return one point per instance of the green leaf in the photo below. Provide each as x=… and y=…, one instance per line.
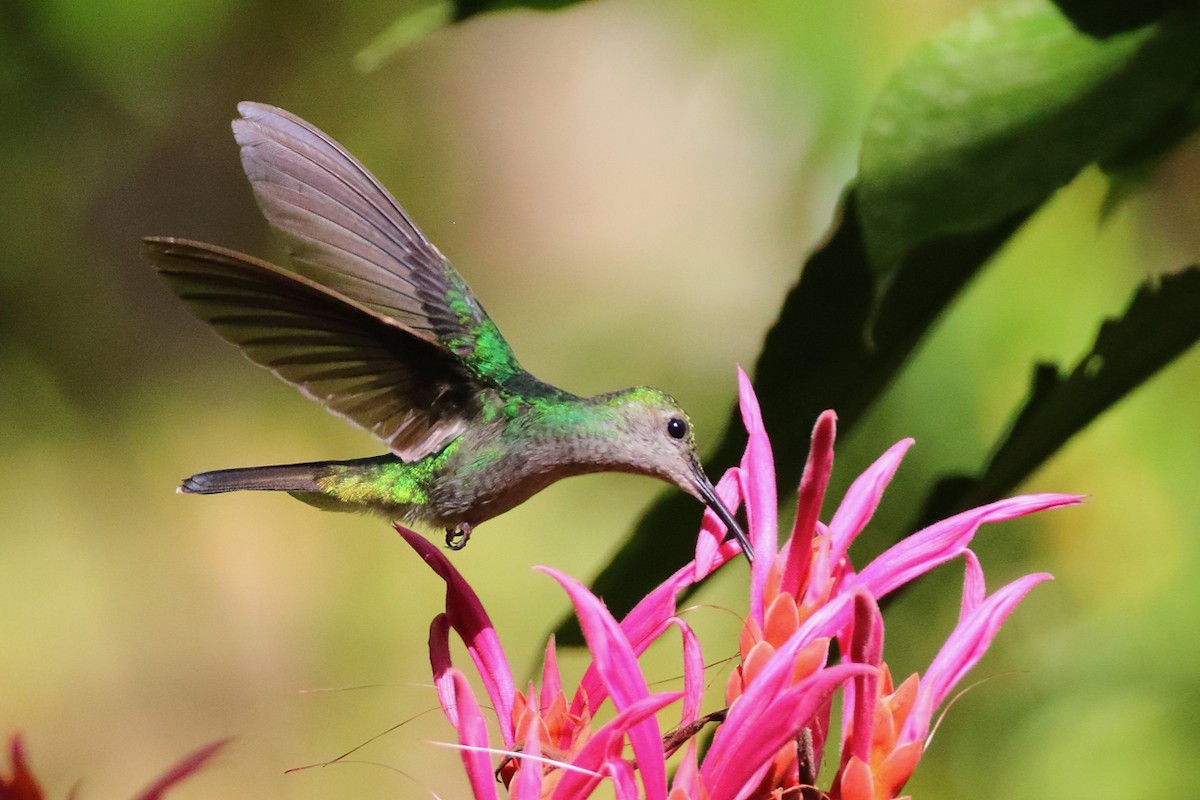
x=403, y=32
x=432, y=16
x=1161, y=323
x=469, y=8
x=964, y=146
x=1130, y=168
x=1105, y=17
x=1003, y=108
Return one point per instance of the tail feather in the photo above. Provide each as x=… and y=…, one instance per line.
x=280, y=478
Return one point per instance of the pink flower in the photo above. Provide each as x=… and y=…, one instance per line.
x=885, y=729
x=23, y=785
x=559, y=755
x=771, y=737
x=812, y=573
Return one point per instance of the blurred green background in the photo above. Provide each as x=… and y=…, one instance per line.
x=630, y=187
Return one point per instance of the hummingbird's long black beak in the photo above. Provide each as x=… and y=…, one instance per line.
x=709, y=493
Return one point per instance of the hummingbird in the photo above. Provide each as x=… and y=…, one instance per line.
x=374, y=323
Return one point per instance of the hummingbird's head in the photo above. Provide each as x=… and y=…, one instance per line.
x=657, y=440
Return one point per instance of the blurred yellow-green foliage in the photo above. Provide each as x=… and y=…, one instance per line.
x=630, y=187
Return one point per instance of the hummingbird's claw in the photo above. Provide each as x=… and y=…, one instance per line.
x=457, y=538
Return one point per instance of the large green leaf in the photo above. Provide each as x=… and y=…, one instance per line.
x=1003, y=108
x=469, y=8
x=1161, y=323
x=975, y=132
x=428, y=17
x=1107, y=17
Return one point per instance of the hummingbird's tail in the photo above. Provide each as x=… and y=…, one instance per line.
x=281, y=478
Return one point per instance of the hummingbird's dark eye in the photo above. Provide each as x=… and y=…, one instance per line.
x=676, y=428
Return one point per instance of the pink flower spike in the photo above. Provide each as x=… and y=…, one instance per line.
x=605, y=745
x=974, y=588
x=24, y=784
x=641, y=627
x=711, y=548
x=693, y=672
x=181, y=771
x=758, y=488
x=439, y=660
x=618, y=667
x=551, y=679
x=467, y=617
x=813, y=484
x=866, y=647
x=653, y=613
x=760, y=722
x=942, y=541
x=963, y=649
x=863, y=496
x=772, y=708
x=624, y=782
x=821, y=568
x=472, y=732
x=687, y=777
x=528, y=785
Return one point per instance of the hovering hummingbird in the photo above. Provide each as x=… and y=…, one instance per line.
x=375, y=324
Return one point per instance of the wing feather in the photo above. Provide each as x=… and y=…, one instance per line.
x=363, y=365
x=344, y=231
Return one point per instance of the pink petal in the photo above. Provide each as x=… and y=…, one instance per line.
x=605, y=745
x=650, y=617
x=618, y=667
x=820, y=728
x=866, y=648
x=185, y=768
x=942, y=541
x=761, y=721
x=24, y=784
x=772, y=709
x=693, y=672
x=551, y=679
x=687, y=777
x=472, y=732
x=863, y=496
x=711, y=548
x=821, y=569
x=624, y=783
x=828, y=620
x=641, y=627
x=439, y=659
x=758, y=489
x=974, y=587
x=528, y=785
x=962, y=651
x=813, y=484
x=468, y=618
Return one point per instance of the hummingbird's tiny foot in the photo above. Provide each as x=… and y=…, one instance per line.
x=457, y=538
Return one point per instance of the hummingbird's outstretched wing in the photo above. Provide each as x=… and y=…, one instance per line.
x=409, y=391
x=344, y=231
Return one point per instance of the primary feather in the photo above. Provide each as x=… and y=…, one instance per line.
x=343, y=230
x=374, y=323
x=412, y=394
